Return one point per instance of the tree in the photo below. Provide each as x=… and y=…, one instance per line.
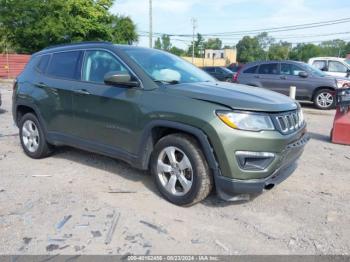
x=32, y=25
x=123, y=30
x=303, y=52
x=249, y=50
x=198, y=46
x=177, y=51
x=335, y=47
x=163, y=43
x=158, y=44
x=279, y=51
x=213, y=43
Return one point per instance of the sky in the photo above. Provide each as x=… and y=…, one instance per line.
x=216, y=16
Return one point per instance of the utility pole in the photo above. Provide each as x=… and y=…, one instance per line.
x=194, y=25
x=150, y=25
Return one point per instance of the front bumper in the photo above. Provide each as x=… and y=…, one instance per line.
x=227, y=188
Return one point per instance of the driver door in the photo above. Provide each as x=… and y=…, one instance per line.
x=105, y=115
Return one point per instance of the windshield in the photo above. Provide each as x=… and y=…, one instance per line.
x=164, y=67
x=313, y=70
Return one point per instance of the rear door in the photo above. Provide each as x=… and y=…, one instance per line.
x=105, y=115
x=268, y=76
x=58, y=82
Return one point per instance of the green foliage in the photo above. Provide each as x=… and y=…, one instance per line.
x=32, y=25
x=249, y=50
x=177, y=51
x=163, y=43
x=213, y=43
x=303, y=52
x=199, y=46
x=279, y=51
x=123, y=30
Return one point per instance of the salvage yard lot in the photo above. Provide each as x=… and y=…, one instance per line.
x=307, y=214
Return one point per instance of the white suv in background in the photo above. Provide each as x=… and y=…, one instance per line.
x=333, y=66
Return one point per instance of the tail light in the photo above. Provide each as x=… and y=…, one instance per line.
x=14, y=85
x=235, y=77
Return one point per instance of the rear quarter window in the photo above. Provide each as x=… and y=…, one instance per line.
x=65, y=65
x=250, y=70
x=43, y=63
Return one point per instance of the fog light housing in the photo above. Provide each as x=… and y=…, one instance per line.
x=254, y=161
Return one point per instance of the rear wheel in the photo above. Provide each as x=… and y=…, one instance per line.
x=324, y=99
x=180, y=170
x=32, y=137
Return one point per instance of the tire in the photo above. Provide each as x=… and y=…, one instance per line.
x=33, y=138
x=188, y=162
x=324, y=99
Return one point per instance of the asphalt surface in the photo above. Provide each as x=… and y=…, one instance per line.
x=68, y=203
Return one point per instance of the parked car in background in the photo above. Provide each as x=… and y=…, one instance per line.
x=156, y=111
x=235, y=67
x=333, y=66
x=311, y=83
x=219, y=72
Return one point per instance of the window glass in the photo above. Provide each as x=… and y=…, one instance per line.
x=164, y=67
x=98, y=63
x=268, y=69
x=290, y=69
x=320, y=64
x=210, y=69
x=43, y=63
x=335, y=66
x=65, y=64
x=250, y=70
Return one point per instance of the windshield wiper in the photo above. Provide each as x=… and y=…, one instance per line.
x=172, y=82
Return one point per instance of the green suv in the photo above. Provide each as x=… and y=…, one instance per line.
x=155, y=111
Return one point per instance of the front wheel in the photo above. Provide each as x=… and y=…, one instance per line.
x=180, y=170
x=324, y=99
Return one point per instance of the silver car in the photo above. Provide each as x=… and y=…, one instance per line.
x=311, y=83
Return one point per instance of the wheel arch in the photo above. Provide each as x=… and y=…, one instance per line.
x=21, y=108
x=160, y=128
x=320, y=88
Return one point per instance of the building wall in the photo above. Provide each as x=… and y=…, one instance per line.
x=11, y=65
x=230, y=56
x=200, y=62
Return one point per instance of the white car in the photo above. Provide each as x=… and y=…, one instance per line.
x=333, y=66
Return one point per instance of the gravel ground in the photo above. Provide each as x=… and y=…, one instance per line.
x=307, y=214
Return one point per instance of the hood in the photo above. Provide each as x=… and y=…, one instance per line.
x=235, y=96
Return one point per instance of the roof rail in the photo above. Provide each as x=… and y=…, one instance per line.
x=78, y=43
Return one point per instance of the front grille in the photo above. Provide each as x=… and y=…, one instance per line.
x=289, y=122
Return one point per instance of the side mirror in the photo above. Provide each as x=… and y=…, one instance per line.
x=348, y=73
x=118, y=78
x=303, y=74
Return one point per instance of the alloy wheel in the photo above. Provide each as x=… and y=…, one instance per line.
x=325, y=99
x=174, y=171
x=30, y=136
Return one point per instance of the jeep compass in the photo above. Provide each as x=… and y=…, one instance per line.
x=155, y=111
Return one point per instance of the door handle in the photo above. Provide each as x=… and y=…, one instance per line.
x=257, y=76
x=41, y=85
x=283, y=77
x=82, y=92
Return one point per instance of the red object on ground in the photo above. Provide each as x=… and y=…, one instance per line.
x=11, y=65
x=341, y=127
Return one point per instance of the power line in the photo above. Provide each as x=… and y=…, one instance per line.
x=269, y=30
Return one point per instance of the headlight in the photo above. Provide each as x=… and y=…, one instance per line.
x=246, y=121
x=342, y=83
